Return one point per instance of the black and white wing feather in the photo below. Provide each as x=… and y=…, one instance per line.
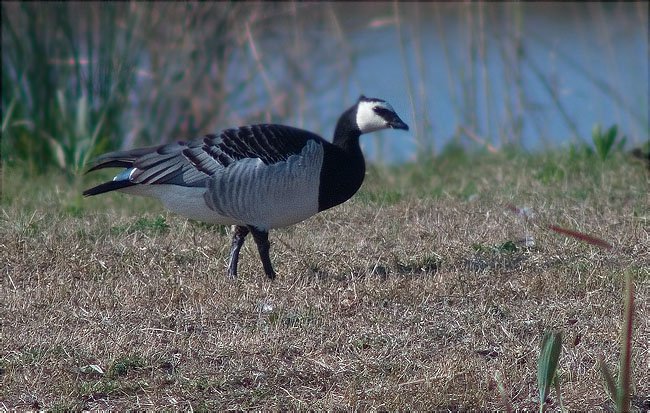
x=250, y=174
x=193, y=163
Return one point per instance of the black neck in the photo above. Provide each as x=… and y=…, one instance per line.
x=343, y=165
x=346, y=132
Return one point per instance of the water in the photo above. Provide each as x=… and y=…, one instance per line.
x=580, y=64
x=536, y=75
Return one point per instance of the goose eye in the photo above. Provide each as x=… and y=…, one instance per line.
x=383, y=112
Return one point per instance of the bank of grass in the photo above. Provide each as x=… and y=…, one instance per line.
x=416, y=294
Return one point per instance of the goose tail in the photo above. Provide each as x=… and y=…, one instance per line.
x=117, y=159
x=120, y=159
x=107, y=187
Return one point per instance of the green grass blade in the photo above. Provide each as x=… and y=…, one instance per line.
x=502, y=392
x=92, y=143
x=624, y=390
x=604, y=141
x=547, y=365
x=610, y=384
x=556, y=383
x=7, y=117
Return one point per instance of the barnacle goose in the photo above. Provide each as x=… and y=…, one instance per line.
x=255, y=177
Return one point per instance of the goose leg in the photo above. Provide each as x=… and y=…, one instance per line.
x=238, y=238
x=262, y=240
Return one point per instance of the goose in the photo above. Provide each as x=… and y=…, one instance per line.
x=256, y=177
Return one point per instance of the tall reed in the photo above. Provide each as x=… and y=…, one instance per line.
x=89, y=77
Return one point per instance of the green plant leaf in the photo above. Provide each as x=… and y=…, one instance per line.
x=556, y=383
x=611, y=133
x=502, y=391
x=610, y=384
x=547, y=364
x=60, y=100
x=508, y=246
x=603, y=142
x=59, y=153
x=7, y=116
x=625, y=368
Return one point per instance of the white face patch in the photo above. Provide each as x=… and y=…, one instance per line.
x=368, y=120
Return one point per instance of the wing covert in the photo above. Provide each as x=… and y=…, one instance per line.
x=193, y=163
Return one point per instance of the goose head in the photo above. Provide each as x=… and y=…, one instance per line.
x=373, y=114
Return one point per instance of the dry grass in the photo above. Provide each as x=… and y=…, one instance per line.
x=404, y=304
